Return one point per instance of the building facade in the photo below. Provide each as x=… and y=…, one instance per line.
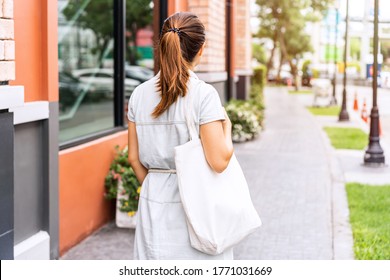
x=67, y=69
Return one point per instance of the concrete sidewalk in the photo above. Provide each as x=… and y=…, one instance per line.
x=291, y=184
x=289, y=174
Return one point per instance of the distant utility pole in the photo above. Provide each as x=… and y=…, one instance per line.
x=344, y=116
x=333, y=101
x=374, y=155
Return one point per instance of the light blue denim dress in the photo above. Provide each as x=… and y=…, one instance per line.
x=161, y=231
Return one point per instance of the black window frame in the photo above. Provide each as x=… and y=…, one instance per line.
x=160, y=14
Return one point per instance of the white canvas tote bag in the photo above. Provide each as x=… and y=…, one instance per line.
x=218, y=206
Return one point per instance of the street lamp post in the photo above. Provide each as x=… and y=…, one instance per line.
x=344, y=116
x=333, y=101
x=374, y=155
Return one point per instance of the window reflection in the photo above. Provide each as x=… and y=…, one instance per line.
x=85, y=43
x=86, y=62
x=139, y=44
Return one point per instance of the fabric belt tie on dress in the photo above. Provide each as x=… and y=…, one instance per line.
x=154, y=170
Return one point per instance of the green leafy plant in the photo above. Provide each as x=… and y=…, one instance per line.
x=256, y=101
x=259, y=76
x=121, y=171
x=245, y=124
x=247, y=115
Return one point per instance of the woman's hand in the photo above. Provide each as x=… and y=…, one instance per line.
x=139, y=170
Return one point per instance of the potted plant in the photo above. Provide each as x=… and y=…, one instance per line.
x=121, y=184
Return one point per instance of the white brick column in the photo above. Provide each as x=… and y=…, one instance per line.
x=10, y=96
x=7, y=43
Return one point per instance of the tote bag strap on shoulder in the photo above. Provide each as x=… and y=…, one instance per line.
x=189, y=116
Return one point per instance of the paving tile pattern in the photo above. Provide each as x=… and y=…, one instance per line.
x=290, y=184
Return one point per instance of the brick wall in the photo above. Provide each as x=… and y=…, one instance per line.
x=7, y=43
x=212, y=14
x=243, y=50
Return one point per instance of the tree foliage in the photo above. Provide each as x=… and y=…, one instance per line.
x=259, y=53
x=96, y=16
x=139, y=14
x=283, y=21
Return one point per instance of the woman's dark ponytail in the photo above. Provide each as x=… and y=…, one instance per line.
x=182, y=36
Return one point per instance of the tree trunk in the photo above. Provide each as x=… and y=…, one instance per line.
x=102, y=51
x=294, y=72
x=133, y=52
x=271, y=58
x=293, y=67
x=278, y=78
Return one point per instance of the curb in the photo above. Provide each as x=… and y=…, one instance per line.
x=342, y=231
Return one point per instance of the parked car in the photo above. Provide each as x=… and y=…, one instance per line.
x=69, y=89
x=103, y=80
x=271, y=77
x=285, y=76
x=139, y=73
x=307, y=78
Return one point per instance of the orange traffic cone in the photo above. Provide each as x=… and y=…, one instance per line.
x=364, y=114
x=355, y=103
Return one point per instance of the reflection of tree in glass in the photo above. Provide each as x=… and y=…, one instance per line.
x=96, y=16
x=139, y=14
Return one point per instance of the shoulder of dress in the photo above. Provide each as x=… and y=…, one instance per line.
x=149, y=85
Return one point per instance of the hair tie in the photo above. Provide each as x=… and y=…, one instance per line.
x=175, y=30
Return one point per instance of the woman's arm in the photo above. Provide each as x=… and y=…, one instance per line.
x=139, y=170
x=217, y=143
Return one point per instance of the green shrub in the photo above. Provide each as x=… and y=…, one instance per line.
x=259, y=75
x=247, y=115
x=245, y=124
x=305, y=66
x=257, y=101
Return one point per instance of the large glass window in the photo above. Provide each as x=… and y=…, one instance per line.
x=86, y=67
x=86, y=47
x=139, y=44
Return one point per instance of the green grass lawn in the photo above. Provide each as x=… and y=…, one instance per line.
x=347, y=138
x=370, y=219
x=304, y=91
x=325, y=111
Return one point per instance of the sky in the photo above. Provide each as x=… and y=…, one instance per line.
x=356, y=8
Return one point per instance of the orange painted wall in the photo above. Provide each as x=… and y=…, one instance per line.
x=50, y=50
x=28, y=48
x=82, y=170
x=36, y=49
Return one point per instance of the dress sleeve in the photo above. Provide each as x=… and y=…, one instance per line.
x=211, y=107
x=130, y=107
